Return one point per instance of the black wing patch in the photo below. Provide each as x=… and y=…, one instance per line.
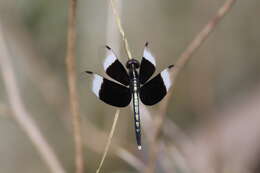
x=110, y=92
x=147, y=67
x=114, y=68
x=156, y=89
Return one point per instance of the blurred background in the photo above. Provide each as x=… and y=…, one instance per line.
x=216, y=99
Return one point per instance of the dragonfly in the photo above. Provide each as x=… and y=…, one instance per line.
x=131, y=82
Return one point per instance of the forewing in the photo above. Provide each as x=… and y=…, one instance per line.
x=155, y=90
x=148, y=64
x=110, y=92
x=114, y=68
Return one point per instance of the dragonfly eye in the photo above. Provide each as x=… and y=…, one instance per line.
x=132, y=62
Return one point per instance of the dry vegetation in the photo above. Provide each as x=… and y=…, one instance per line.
x=207, y=124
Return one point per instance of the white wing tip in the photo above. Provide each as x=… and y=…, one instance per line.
x=97, y=82
x=110, y=58
x=148, y=55
x=165, y=74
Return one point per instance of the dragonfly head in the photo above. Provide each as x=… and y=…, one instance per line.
x=132, y=62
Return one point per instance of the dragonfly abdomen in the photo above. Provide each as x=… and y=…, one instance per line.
x=135, y=91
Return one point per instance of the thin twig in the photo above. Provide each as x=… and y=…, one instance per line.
x=20, y=114
x=116, y=15
x=109, y=140
x=185, y=56
x=120, y=28
x=122, y=153
x=116, y=149
x=71, y=70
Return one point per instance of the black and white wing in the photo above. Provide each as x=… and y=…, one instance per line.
x=114, y=68
x=148, y=64
x=110, y=92
x=156, y=89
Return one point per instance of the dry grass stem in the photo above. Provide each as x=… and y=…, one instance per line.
x=109, y=140
x=20, y=114
x=120, y=28
x=126, y=46
x=71, y=70
x=115, y=148
x=122, y=153
x=185, y=56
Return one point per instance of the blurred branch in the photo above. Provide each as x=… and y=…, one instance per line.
x=71, y=70
x=20, y=114
x=130, y=159
x=185, y=56
x=228, y=140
